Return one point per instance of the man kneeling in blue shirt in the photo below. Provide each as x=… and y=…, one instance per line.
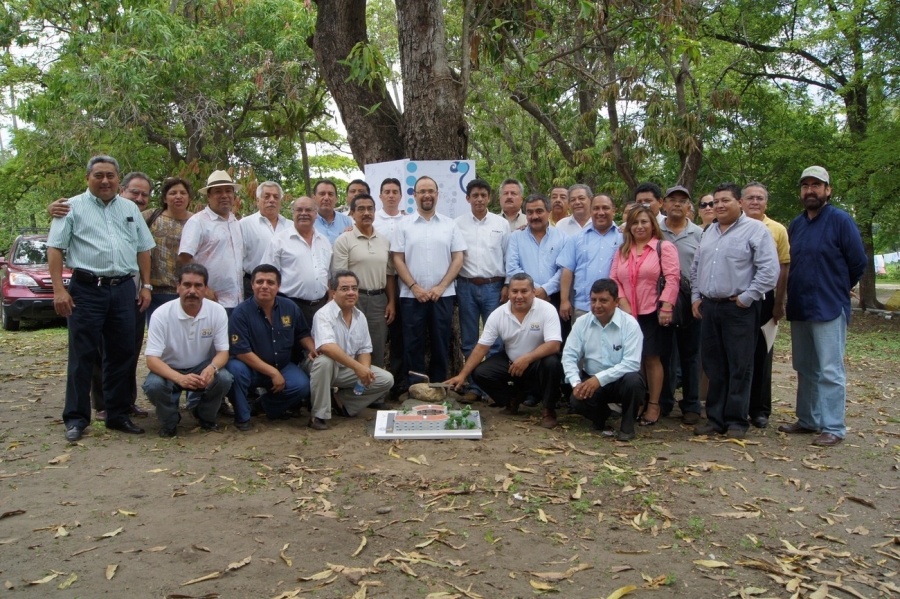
x=608, y=343
x=264, y=331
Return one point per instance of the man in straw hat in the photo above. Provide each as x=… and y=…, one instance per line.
x=213, y=238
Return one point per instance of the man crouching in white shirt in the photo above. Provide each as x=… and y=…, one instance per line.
x=341, y=335
x=187, y=349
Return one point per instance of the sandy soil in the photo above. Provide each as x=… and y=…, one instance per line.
x=284, y=511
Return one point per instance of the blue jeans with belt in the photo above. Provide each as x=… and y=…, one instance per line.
x=103, y=316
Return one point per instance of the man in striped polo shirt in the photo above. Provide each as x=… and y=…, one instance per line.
x=106, y=243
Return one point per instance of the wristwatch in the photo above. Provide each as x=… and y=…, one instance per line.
x=147, y=286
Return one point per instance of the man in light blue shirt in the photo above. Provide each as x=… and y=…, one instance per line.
x=329, y=222
x=607, y=344
x=587, y=257
x=534, y=250
x=106, y=243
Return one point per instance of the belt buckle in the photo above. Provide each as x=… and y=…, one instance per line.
x=99, y=281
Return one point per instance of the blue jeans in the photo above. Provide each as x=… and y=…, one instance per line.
x=164, y=394
x=476, y=302
x=432, y=319
x=296, y=387
x=818, y=358
x=102, y=316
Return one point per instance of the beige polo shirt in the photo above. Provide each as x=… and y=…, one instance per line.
x=368, y=257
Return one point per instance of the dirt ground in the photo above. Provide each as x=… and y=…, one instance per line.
x=284, y=511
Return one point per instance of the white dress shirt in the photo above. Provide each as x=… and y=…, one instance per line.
x=304, y=267
x=486, y=241
x=329, y=327
x=257, y=231
x=217, y=244
x=387, y=224
x=426, y=246
x=570, y=226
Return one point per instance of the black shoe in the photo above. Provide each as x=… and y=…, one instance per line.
x=225, y=410
x=73, y=433
x=338, y=410
x=759, y=421
x=707, y=429
x=243, y=426
x=255, y=408
x=204, y=424
x=125, y=426
x=139, y=412
x=318, y=424
x=531, y=401
x=379, y=405
x=167, y=433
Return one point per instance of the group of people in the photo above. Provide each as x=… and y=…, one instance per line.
x=553, y=298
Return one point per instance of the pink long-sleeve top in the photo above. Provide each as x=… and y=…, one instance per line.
x=636, y=276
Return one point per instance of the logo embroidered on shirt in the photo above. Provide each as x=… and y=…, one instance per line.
x=206, y=332
x=535, y=326
x=286, y=321
x=234, y=338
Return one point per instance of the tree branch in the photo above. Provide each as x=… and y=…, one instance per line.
x=765, y=48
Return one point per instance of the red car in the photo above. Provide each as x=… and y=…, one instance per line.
x=26, y=289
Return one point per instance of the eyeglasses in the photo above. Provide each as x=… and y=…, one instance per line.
x=705, y=205
x=137, y=193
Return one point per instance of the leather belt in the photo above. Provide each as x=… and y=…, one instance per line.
x=86, y=276
x=482, y=280
x=305, y=302
x=371, y=291
x=718, y=300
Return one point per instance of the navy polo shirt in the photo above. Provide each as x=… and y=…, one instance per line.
x=250, y=331
x=827, y=261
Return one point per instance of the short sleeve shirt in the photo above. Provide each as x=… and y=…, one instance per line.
x=539, y=326
x=216, y=243
x=273, y=342
x=427, y=245
x=184, y=341
x=329, y=327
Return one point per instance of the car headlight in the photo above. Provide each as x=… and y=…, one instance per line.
x=21, y=280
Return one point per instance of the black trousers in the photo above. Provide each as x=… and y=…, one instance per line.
x=687, y=356
x=728, y=337
x=103, y=316
x=97, y=374
x=397, y=366
x=436, y=319
x=761, y=384
x=628, y=391
x=541, y=376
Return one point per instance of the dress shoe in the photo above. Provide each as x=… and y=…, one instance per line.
x=469, y=397
x=318, y=424
x=623, y=436
x=760, y=421
x=827, y=440
x=531, y=400
x=549, y=419
x=167, y=433
x=100, y=416
x=204, y=424
x=706, y=429
x=139, y=412
x=73, y=433
x=225, y=410
x=736, y=433
x=690, y=418
x=379, y=405
x=796, y=429
x=125, y=426
x=243, y=426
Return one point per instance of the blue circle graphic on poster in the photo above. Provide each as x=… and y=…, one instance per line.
x=412, y=167
x=411, y=181
x=459, y=167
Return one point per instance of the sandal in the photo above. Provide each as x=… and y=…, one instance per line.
x=642, y=421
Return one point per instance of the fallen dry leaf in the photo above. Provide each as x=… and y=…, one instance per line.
x=111, y=534
x=286, y=559
x=512, y=468
x=362, y=544
x=318, y=576
x=238, y=565
x=556, y=576
x=111, y=571
x=621, y=592
x=124, y=513
x=60, y=459
x=710, y=563
x=68, y=581
x=45, y=579
x=541, y=586
x=211, y=576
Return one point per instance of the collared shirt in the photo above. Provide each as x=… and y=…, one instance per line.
x=605, y=352
x=686, y=242
x=303, y=267
x=589, y=256
x=217, y=244
x=338, y=225
x=780, y=235
x=742, y=262
x=329, y=327
x=257, y=231
x=570, y=226
x=827, y=261
x=537, y=260
x=368, y=257
x=427, y=246
x=183, y=341
x=273, y=342
x=539, y=326
x=517, y=223
x=637, y=277
x=102, y=238
x=387, y=224
x=487, y=240
x=166, y=232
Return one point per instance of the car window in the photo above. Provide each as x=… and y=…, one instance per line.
x=30, y=251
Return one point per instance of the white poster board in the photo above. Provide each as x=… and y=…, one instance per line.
x=451, y=176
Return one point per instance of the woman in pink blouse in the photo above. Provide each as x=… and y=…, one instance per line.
x=635, y=268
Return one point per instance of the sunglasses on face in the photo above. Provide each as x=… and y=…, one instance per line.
x=706, y=205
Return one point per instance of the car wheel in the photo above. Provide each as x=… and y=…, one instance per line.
x=9, y=324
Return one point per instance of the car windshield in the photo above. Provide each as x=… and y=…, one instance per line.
x=30, y=251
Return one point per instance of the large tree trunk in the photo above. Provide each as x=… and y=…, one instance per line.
x=433, y=124
x=374, y=134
